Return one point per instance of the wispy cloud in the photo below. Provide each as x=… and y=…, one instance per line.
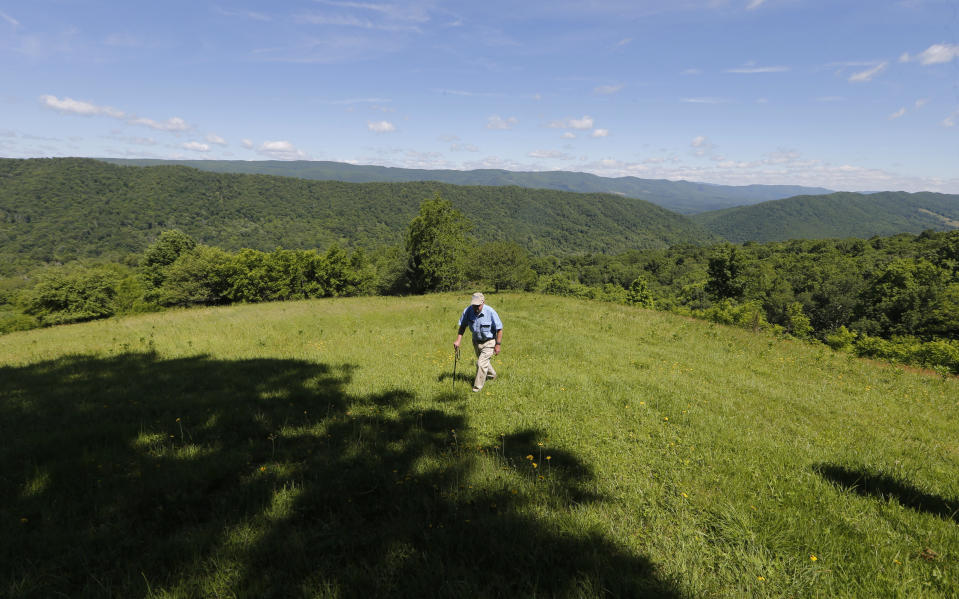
x=497, y=122
x=354, y=21
x=551, y=154
x=380, y=126
x=607, y=90
x=247, y=143
x=938, y=54
x=868, y=74
x=213, y=138
x=70, y=106
x=281, y=150
x=171, y=124
x=9, y=19
x=195, y=146
x=245, y=14
x=600, y=133
x=705, y=100
x=898, y=113
x=754, y=4
x=583, y=123
x=569, y=135
x=749, y=70
x=692, y=72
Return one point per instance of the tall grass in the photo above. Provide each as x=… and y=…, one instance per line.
x=322, y=448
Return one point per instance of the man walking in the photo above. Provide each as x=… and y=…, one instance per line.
x=487, y=331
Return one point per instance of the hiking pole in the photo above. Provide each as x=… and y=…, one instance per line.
x=456, y=359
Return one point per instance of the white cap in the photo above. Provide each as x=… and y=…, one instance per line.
x=478, y=298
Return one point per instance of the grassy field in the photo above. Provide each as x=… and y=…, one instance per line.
x=323, y=449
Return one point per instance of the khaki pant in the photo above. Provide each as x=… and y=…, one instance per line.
x=484, y=351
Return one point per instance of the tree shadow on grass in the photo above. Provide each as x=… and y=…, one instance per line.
x=136, y=476
x=872, y=484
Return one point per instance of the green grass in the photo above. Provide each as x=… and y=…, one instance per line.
x=321, y=449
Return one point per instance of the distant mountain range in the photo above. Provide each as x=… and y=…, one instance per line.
x=60, y=209
x=684, y=197
x=835, y=215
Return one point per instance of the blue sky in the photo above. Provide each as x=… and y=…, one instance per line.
x=850, y=95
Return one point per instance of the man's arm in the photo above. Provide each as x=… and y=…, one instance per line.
x=459, y=336
x=499, y=342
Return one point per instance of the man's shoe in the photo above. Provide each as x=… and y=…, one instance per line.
x=477, y=389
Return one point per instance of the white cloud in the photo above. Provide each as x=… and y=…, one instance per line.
x=458, y=147
x=281, y=150
x=247, y=143
x=71, y=106
x=600, y=133
x=79, y=107
x=938, y=53
x=569, y=135
x=624, y=42
x=496, y=122
x=749, y=70
x=692, y=72
x=898, y=113
x=213, y=138
x=703, y=100
x=830, y=99
x=246, y=14
x=380, y=126
x=195, y=146
x=551, y=154
x=754, y=4
x=904, y=57
x=9, y=19
x=584, y=123
x=171, y=124
x=868, y=74
x=607, y=90
x=921, y=102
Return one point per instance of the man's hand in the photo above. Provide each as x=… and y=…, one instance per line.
x=497, y=349
x=456, y=344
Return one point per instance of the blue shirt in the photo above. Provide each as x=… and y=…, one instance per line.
x=484, y=325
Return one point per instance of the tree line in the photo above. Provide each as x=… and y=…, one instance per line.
x=888, y=297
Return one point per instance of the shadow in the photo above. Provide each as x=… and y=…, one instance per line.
x=464, y=377
x=881, y=486
x=135, y=476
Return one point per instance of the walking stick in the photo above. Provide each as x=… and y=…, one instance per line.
x=455, y=360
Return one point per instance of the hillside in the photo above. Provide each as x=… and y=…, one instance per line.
x=65, y=208
x=265, y=450
x=684, y=197
x=835, y=215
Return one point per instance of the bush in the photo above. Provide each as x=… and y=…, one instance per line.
x=64, y=296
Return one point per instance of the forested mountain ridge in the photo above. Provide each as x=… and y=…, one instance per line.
x=835, y=215
x=684, y=197
x=59, y=209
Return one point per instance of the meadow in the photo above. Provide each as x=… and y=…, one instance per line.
x=324, y=448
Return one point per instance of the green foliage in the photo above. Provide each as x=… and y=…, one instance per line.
x=63, y=209
x=834, y=215
x=198, y=276
x=438, y=245
x=63, y=296
x=684, y=197
x=163, y=252
x=501, y=265
x=639, y=294
x=797, y=323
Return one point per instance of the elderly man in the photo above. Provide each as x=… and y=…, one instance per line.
x=487, y=331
